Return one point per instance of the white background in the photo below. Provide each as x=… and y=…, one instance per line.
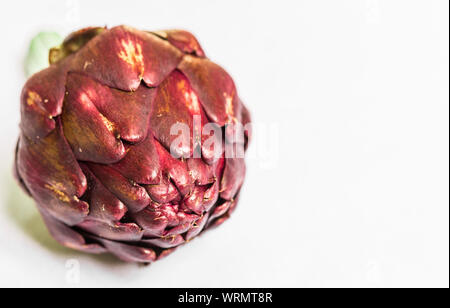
x=347, y=177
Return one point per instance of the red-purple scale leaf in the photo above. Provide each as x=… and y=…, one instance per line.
x=176, y=169
x=246, y=119
x=180, y=229
x=70, y=238
x=134, y=196
x=166, y=242
x=129, y=112
x=103, y=204
x=183, y=40
x=197, y=227
x=173, y=112
x=171, y=212
x=91, y=135
x=164, y=192
x=115, y=231
x=152, y=221
x=220, y=210
x=129, y=253
x=211, y=196
x=214, y=87
x=53, y=176
x=194, y=202
x=16, y=171
x=233, y=178
x=123, y=56
x=233, y=205
x=149, y=163
x=42, y=99
x=201, y=173
x=222, y=213
x=166, y=252
x=141, y=163
x=185, y=222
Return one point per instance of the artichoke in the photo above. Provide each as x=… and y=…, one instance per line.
x=98, y=152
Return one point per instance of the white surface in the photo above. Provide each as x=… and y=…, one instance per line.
x=353, y=191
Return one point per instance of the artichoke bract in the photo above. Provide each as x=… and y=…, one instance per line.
x=114, y=147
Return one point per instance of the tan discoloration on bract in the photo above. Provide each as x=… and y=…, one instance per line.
x=86, y=65
x=85, y=98
x=77, y=134
x=33, y=98
x=50, y=152
x=193, y=103
x=163, y=108
x=229, y=108
x=109, y=125
x=181, y=85
x=190, y=97
x=56, y=189
x=131, y=53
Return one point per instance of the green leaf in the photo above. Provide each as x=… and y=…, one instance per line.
x=37, y=58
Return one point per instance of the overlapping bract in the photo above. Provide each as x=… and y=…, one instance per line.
x=94, y=151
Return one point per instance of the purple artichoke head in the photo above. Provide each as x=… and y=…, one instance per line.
x=124, y=142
